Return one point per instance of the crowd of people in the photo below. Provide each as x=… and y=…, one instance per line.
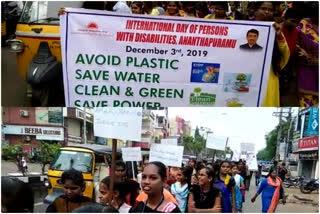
x=294, y=75
x=218, y=187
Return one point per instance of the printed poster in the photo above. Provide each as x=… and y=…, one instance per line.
x=129, y=60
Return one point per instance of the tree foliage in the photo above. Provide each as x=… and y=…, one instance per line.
x=48, y=152
x=194, y=144
x=269, y=152
x=12, y=152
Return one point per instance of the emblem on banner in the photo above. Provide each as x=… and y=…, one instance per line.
x=197, y=97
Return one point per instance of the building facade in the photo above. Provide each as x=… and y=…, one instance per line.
x=308, y=143
x=27, y=126
x=75, y=123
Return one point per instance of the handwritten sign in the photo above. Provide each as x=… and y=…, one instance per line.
x=167, y=154
x=170, y=141
x=131, y=154
x=118, y=60
x=118, y=123
x=215, y=142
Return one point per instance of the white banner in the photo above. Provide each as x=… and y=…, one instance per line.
x=41, y=132
x=118, y=60
x=170, y=141
x=118, y=123
x=167, y=154
x=214, y=142
x=131, y=154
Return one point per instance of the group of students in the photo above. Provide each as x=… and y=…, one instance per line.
x=294, y=76
x=217, y=187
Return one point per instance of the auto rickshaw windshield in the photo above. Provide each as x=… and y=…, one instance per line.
x=45, y=12
x=39, y=13
x=65, y=160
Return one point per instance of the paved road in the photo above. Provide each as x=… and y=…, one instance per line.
x=287, y=208
x=13, y=87
x=11, y=167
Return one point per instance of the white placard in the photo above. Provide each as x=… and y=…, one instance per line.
x=170, y=141
x=118, y=123
x=112, y=59
x=247, y=147
x=236, y=156
x=228, y=155
x=167, y=154
x=131, y=154
x=252, y=162
x=215, y=142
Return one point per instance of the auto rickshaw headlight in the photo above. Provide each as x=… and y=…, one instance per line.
x=15, y=45
x=47, y=183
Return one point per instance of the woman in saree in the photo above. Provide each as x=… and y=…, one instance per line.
x=307, y=64
x=272, y=192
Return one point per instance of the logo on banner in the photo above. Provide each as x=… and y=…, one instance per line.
x=197, y=97
x=315, y=124
x=92, y=25
x=92, y=28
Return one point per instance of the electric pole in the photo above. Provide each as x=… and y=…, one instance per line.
x=283, y=113
x=277, y=158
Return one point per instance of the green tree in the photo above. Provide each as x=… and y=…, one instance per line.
x=12, y=152
x=192, y=144
x=241, y=77
x=269, y=152
x=48, y=152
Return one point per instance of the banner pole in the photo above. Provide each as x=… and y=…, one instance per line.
x=113, y=166
x=133, y=173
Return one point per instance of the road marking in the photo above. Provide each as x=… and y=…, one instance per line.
x=38, y=204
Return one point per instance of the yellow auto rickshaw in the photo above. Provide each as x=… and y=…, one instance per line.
x=91, y=159
x=38, y=49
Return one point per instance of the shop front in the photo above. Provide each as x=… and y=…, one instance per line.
x=308, y=149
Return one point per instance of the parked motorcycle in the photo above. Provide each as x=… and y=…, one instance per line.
x=293, y=181
x=309, y=185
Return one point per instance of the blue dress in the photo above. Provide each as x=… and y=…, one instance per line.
x=267, y=194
